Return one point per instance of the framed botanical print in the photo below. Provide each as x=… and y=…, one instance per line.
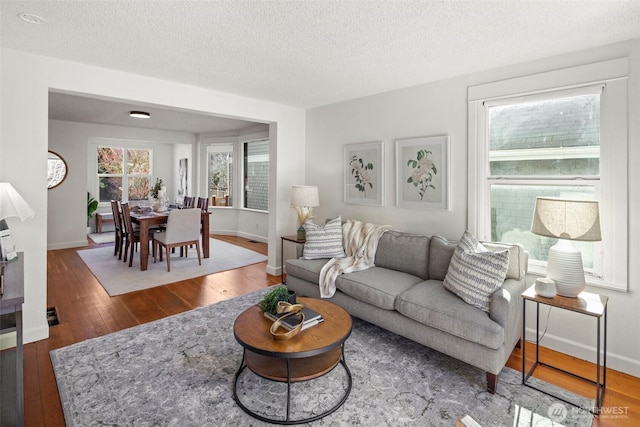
x=422, y=172
x=364, y=173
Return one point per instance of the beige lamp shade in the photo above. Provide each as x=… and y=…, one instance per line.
x=305, y=196
x=567, y=219
x=12, y=204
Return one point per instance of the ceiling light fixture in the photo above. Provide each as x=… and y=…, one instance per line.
x=139, y=114
x=31, y=18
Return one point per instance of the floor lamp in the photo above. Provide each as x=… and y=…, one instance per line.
x=566, y=220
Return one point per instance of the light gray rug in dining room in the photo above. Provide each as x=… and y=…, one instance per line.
x=104, y=237
x=116, y=277
x=179, y=371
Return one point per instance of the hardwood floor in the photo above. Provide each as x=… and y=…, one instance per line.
x=86, y=311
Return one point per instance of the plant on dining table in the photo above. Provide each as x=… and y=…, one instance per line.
x=155, y=190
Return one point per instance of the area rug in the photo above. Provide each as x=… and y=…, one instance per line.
x=105, y=237
x=179, y=371
x=116, y=277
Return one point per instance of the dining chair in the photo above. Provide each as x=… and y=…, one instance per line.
x=188, y=202
x=119, y=243
x=203, y=204
x=132, y=235
x=183, y=229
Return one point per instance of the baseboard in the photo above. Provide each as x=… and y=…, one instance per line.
x=273, y=271
x=250, y=236
x=67, y=245
x=614, y=361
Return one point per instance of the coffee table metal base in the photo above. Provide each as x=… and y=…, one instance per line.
x=295, y=370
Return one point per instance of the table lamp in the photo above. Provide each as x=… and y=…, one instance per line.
x=304, y=198
x=566, y=220
x=11, y=204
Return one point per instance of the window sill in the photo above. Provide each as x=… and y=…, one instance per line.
x=536, y=271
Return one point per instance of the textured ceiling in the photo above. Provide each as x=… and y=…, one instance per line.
x=310, y=53
x=313, y=53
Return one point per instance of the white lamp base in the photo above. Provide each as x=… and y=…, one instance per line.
x=565, y=268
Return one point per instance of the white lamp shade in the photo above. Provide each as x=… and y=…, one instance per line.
x=567, y=219
x=12, y=203
x=305, y=196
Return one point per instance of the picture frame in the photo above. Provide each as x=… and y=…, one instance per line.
x=364, y=173
x=422, y=172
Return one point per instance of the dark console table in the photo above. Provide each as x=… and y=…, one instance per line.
x=12, y=402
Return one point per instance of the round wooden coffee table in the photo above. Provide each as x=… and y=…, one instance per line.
x=310, y=354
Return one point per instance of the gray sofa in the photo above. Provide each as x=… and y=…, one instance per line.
x=404, y=294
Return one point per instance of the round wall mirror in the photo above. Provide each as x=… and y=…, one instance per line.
x=56, y=170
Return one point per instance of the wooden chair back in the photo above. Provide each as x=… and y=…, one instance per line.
x=116, y=215
x=188, y=202
x=126, y=218
x=203, y=204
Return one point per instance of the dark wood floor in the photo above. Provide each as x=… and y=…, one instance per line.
x=86, y=311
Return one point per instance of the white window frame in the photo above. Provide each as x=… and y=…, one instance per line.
x=242, y=145
x=613, y=155
x=215, y=147
x=98, y=143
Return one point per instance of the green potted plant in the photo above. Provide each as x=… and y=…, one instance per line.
x=275, y=295
x=156, y=188
x=92, y=207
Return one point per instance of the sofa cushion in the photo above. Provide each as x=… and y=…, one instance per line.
x=404, y=252
x=440, y=253
x=308, y=270
x=517, y=258
x=323, y=241
x=475, y=272
x=431, y=304
x=376, y=286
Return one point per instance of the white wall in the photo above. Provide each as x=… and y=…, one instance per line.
x=75, y=142
x=183, y=151
x=25, y=83
x=441, y=108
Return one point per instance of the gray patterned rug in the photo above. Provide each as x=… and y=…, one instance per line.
x=179, y=371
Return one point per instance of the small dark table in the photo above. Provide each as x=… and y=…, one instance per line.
x=11, y=365
x=308, y=355
x=587, y=303
x=293, y=238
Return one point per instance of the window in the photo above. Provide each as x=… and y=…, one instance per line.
x=256, y=175
x=528, y=138
x=120, y=168
x=220, y=174
x=539, y=148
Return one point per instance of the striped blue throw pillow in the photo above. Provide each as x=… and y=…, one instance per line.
x=476, y=272
x=323, y=242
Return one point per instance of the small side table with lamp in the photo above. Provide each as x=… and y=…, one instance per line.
x=567, y=220
x=11, y=300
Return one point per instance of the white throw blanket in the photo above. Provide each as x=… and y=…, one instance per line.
x=360, y=242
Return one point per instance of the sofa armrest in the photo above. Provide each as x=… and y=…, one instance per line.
x=505, y=302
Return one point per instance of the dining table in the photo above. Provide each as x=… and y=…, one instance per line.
x=148, y=220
